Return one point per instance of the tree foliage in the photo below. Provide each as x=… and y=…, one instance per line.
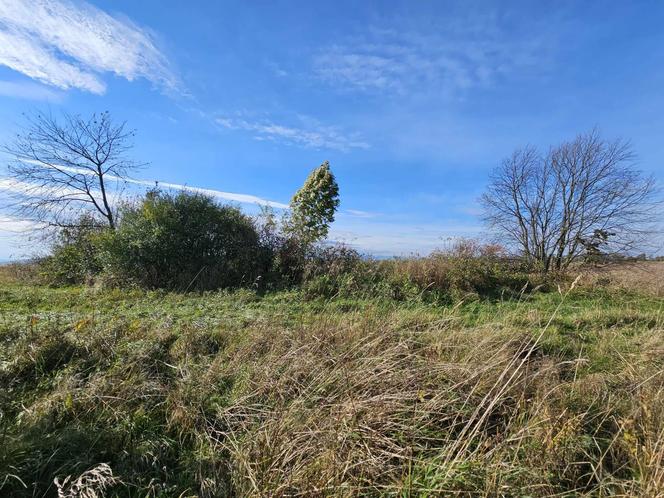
x=581, y=195
x=313, y=206
x=184, y=242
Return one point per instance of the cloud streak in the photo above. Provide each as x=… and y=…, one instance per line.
x=323, y=137
x=13, y=186
x=357, y=213
x=227, y=196
x=69, y=44
x=16, y=226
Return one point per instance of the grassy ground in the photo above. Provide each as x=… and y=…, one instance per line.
x=234, y=394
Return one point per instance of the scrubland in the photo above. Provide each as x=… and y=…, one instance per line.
x=549, y=391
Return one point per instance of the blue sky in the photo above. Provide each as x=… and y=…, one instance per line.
x=412, y=103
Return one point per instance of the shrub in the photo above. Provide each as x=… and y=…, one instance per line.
x=289, y=261
x=330, y=270
x=75, y=256
x=293, y=259
x=184, y=242
x=24, y=272
x=468, y=268
x=283, y=256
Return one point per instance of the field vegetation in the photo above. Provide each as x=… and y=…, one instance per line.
x=128, y=392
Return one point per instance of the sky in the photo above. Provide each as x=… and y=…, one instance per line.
x=412, y=103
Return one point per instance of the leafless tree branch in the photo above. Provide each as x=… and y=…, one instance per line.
x=581, y=194
x=64, y=168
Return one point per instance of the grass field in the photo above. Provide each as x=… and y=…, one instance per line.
x=134, y=393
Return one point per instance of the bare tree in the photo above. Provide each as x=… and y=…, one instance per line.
x=581, y=196
x=64, y=169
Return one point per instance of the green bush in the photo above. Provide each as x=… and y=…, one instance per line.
x=75, y=257
x=184, y=242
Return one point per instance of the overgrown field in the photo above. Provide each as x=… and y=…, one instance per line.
x=557, y=393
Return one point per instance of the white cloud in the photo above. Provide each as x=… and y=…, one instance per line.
x=26, y=189
x=11, y=225
x=227, y=196
x=453, y=58
x=16, y=239
x=323, y=137
x=357, y=213
x=69, y=44
x=36, y=61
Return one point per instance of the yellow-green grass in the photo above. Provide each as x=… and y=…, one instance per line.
x=237, y=394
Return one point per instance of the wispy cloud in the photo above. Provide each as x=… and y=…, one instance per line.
x=357, y=213
x=453, y=58
x=26, y=190
x=13, y=226
x=71, y=44
x=314, y=136
x=227, y=196
x=16, y=241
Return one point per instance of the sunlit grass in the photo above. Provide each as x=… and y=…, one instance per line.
x=238, y=394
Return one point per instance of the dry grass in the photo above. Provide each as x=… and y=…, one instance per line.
x=90, y=484
x=641, y=276
x=371, y=407
x=557, y=394
x=11, y=273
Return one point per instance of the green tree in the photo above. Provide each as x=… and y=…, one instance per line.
x=312, y=207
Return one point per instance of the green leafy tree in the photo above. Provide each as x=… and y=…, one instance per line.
x=312, y=207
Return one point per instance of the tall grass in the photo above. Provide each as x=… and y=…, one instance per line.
x=467, y=269
x=236, y=394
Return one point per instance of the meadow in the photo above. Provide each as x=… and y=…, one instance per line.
x=129, y=392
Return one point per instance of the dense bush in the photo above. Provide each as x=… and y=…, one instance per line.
x=468, y=267
x=329, y=271
x=75, y=257
x=283, y=256
x=293, y=260
x=184, y=242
